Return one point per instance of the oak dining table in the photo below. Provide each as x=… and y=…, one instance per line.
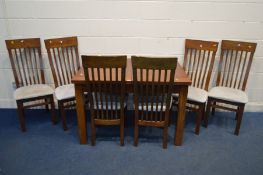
x=182, y=81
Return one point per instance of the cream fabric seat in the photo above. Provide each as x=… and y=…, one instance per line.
x=109, y=106
x=32, y=91
x=196, y=94
x=65, y=92
x=228, y=94
x=159, y=107
x=144, y=107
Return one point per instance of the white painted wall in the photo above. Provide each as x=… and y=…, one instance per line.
x=141, y=27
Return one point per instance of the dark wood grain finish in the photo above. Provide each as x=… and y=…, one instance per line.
x=181, y=83
x=181, y=78
x=235, y=63
x=26, y=61
x=199, y=59
x=152, y=96
x=64, y=63
x=27, y=66
x=198, y=63
x=106, y=91
x=63, y=58
x=233, y=70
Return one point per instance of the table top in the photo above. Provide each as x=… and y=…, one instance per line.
x=181, y=77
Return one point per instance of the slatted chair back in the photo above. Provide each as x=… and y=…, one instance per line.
x=105, y=78
x=63, y=58
x=235, y=63
x=199, y=59
x=26, y=61
x=153, y=82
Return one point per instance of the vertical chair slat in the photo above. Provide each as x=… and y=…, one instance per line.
x=41, y=65
x=72, y=59
x=106, y=94
x=13, y=65
x=32, y=67
x=62, y=66
x=111, y=99
x=67, y=68
x=27, y=66
x=238, y=68
x=77, y=60
x=157, y=114
x=152, y=94
x=95, y=93
x=23, y=67
x=234, y=67
x=206, y=71
x=201, y=69
x=38, y=67
x=229, y=67
x=100, y=93
x=193, y=67
x=188, y=60
x=56, y=61
x=196, y=69
x=225, y=64
x=243, y=70
x=185, y=64
x=147, y=91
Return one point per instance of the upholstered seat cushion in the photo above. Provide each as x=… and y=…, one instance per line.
x=143, y=107
x=104, y=106
x=32, y=91
x=65, y=92
x=196, y=94
x=229, y=94
x=159, y=108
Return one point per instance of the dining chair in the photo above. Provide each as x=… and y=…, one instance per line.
x=105, y=79
x=198, y=63
x=27, y=66
x=233, y=70
x=64, y=62
x=153, y=80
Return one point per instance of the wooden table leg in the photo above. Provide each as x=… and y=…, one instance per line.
x=179, y=130
x=81, y=115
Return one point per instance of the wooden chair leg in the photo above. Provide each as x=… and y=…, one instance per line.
x=199, y=118
x=239, y=118
x=213, y=108
x=208, y=108
x=93, y=134
x=53, y=113
x=237, y=113
x=21, y=115
x=165, y=137
x=47, y=106
x=122, y=132
x=63, y=115
x=136, y=133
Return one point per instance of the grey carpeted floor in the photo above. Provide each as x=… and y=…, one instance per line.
x=47, y=149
